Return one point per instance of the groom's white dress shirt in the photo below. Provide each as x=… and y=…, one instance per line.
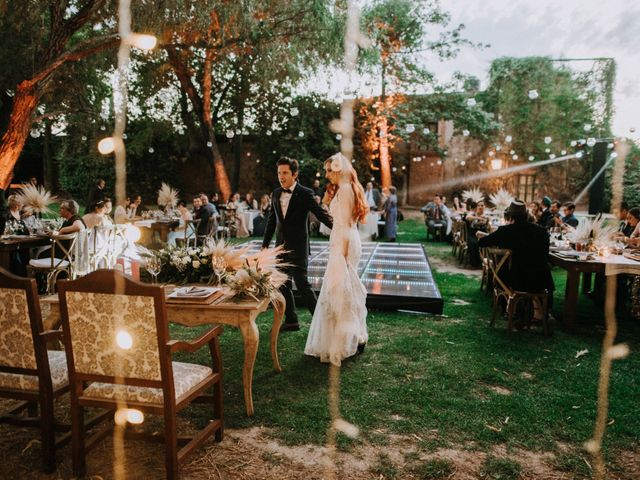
x=285, y=198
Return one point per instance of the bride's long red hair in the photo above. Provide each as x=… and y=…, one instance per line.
x=360, y=205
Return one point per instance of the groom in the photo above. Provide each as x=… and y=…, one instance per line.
x=289, y=219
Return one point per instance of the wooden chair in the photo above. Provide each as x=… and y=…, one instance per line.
x=455, y=237
x=498, y=260
x=29, y=372
x=117, y=337
x=191, y=232
x=54, y=265
x=486, y=282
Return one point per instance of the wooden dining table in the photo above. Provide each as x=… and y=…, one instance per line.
x=576, y=263
x=239, y=313
x=14, y=243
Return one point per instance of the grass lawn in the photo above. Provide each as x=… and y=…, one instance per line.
x=447, y=381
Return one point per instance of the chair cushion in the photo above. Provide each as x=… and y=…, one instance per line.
x=46, y=263
x=185, y=377
x=57, y=367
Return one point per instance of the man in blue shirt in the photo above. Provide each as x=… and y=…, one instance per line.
x=569, y=218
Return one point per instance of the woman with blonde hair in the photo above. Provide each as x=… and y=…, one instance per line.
x=339, y=326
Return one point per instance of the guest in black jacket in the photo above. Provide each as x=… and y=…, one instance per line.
x=529, y=244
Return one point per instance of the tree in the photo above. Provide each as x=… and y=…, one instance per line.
x=398, y=29
x=67, y=38
x=283, y=35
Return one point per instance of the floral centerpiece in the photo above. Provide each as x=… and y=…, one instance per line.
x=592, y=232
x=501, y=199
x=474, y=194
x=254, y=275
x=36, y=200
x=167, y=197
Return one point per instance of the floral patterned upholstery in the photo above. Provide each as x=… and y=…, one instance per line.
x=57, y=366
x=185, y=377
x=16, y=340
x=95, y=319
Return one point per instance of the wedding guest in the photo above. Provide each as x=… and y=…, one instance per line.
x=72, y=221
x=372, y=196
x=625, y=228
x=135, y=207
x=179, y=233
x=121, y=215
x=391, y=215
x=234, y=202
x=108, y=207
x=212, y=206
x=569, y=218
x=96, y=194
x=13, y=217
x=545, y=214
x=477, y=221
x=458, y=206
x=633, y=219
x=534, y=211
x=249, y=203
x=96, y=216
x=436, y=215
x=265, y=205
x=528, y=270
x=553, y=218
x=317, y=189
x=206, y=214
x=3, y=210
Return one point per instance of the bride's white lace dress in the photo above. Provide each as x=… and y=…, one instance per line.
x=340, y=320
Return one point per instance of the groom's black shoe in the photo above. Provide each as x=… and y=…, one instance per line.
x=290, y=327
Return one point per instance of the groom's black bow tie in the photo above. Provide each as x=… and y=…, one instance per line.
x=286, y=190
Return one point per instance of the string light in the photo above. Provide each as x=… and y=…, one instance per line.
x=107, y=145
x=141, y=41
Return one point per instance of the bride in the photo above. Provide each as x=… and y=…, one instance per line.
x=339, y=325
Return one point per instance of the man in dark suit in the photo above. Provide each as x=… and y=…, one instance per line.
x=372, y=196
x=529, y=244
x=289, y=220
x=96, y=194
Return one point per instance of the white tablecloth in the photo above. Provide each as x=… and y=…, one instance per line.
x=247, y=217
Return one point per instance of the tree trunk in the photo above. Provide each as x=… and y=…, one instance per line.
x=204, y=114
x=385, y=161
x=25, y=102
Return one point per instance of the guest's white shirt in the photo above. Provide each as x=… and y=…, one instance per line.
x=369, y=197
x=285, y=198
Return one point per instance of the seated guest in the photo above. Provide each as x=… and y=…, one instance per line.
x=135, y=207
x=625, y=228
x=459, y=207
x=108, y=207
x=72, y=221
x=121, y=215
x=265, y=206
x=13, y=217
x=206, y=214
x=179, y=233
x=553, y=217
x=96, y=216
x=212, y=206
x=545, y=214
x=477, y=221
x=234, y=202
x=633, y=219
x=436, y=215
x=569, y=218
x=249, y=203
x=529, y=243
x=534, y=212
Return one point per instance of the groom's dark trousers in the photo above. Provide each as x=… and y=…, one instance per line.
x=292, y=232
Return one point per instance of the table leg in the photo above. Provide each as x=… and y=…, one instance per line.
x=571, y=299
x=278, y=314
x=251, y=338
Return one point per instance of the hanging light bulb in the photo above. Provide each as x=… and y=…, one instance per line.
x=410, y=128
x=84, y=139
x=552, y=156
x=439, y=162
x=547, y=150
x=533, y=94
x=579, y=155
x=496, y=163
x=425, y=130
x=563, y=152
x=268, y=133
x=587, y=127
x=512, y=152
x=465, y=133
x=107, y=145
x=548, y=140
x=531, y=158
x=591, y=142
x=481, y=161
x=515, y=157
x=209, y=144
x=142, y=41
x=338, y=136
x=614, y=155
x=463, y=163
x=574, y=143
x=35, y=133
x=151, y=150
x=230, y=134
x=294, y=111
x=300, y=134
x=508, y=138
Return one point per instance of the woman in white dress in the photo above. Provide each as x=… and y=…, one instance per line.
x=339, y=326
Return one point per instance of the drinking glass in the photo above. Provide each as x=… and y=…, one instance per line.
x=153, y=265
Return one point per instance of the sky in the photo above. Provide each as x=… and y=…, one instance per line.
x=556, y=28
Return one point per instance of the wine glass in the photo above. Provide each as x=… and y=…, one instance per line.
x=153, y=265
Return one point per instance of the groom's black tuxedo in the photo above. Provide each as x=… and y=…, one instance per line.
x=292, y=232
